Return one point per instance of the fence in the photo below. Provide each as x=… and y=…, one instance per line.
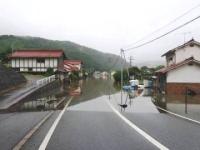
x=45, y=81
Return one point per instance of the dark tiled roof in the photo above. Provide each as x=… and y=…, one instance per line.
x=174, y=66
x=192, y=41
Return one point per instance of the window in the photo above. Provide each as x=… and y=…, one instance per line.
x=40, y=60
x=17, y=69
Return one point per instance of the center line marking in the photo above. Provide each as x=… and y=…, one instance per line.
x=143, y=133
x=53, y=127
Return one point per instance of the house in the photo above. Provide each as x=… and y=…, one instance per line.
x=36, y=60
x=72, y=65
x=182, y=69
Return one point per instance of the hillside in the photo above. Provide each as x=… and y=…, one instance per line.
x=92, y=58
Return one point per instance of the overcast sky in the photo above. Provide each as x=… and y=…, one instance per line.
x=106, y=25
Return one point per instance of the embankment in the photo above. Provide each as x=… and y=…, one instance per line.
x=9, y=79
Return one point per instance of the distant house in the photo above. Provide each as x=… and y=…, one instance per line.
x=36, y=60
x=182, y=69
x=72, y=65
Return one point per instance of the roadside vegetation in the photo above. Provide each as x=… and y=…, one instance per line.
x=138, y=73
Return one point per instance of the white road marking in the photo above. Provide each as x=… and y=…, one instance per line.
x=19, y=145
x=144, y=134
x=53, y=127
x=177, y=115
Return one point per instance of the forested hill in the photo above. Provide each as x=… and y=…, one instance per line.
x=92, y=58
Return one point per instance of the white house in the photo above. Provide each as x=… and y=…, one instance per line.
x=182, y=69
x=36, y=60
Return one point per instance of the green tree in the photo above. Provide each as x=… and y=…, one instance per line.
x=49, y=72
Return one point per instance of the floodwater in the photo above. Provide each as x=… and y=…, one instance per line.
x=82, y=91
x=92, y=94
x=88, y=95
x=188, y=106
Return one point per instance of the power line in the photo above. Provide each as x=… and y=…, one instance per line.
x=174, y=20
x=159, y=37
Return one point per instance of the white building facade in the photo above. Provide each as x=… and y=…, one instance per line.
x=36, y=60
x=183, y=52
x=182, y=68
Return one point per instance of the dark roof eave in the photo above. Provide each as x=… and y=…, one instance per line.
x=170, y=51
x=192, y=41
x=187, y=61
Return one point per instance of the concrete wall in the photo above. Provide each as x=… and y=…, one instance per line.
x=9, y=78
x=184, y=74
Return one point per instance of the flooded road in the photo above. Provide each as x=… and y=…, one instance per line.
x=92, y=120
x=55, y=99
x=179, y=104
x=88, y=95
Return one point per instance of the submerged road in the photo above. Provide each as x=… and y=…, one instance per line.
x=94, y=125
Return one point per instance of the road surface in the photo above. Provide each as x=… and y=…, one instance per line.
x=94, y=125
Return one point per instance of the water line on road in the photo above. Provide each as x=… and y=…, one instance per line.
x=177, y=115
x=53, y=127
x=143, y=133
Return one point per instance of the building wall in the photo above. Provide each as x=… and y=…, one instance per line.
x=33, y=65
x=188, y=51
x=180, y=88
x=184, y=74
x=170, y=59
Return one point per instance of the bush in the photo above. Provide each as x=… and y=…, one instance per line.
x=49, y=72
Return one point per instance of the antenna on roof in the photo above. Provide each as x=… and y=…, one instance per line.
x=184, y=36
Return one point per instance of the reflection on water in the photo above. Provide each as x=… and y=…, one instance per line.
x=147, y=92
x=135, y=101
x=188, y=106
x=93, y=88
x=83, y=90
x=88, y=95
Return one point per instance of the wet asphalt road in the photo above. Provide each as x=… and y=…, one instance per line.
x=96, y=131
x=83, y=127
x=14, y=126
x=174, y=133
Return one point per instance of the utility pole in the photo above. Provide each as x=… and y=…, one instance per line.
x=131, y=59
x=121, y=52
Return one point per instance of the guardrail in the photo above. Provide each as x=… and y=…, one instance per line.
x=45, y=81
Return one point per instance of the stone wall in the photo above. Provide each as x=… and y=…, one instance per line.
x=9, y=78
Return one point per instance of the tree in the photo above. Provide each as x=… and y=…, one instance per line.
x=159, y=67
x=49, y=72
x=135, y=71
x=117, y=76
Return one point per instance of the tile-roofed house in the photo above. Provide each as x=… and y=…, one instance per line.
x=72, y=65
x=180, y=53
x=36, y=60
x=182, y=69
